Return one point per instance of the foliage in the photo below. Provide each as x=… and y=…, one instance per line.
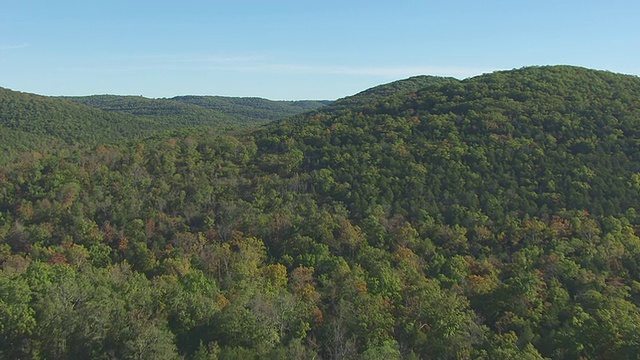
x=217, y=111
x=252, y=110
x=30, y=122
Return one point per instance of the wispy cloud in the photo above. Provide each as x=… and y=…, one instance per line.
x=382, y=71
x=396, y=71
x=193, y=58
x=13, y=47
x=262, y=64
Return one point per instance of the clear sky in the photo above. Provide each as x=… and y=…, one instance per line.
x=300, y=49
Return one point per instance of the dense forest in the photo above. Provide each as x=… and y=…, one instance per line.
x=431, y=218
x=33, y=122
x=201, y=110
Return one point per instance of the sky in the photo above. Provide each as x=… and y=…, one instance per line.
x=290, y=50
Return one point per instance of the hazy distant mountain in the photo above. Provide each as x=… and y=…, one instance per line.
x=251, y=109
x=201, y=110
x=29, y=121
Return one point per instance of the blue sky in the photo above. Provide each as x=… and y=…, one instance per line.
x=298, y=49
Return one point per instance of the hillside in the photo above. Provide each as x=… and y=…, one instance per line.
x=489, y=218
x=162, y=111
x=70, y=122
x=200, y=110
x=556, y=137
x=255, y=110
x=29, y=122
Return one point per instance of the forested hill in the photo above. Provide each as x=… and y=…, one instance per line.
x=490, y=218
x=214, y=111
x=29, y=122
x=163, y=111
x=529, y=142
x=34, y=122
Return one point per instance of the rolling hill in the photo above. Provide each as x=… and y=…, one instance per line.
x=560, y=137
x=201, y=110
x=33, y=122
x=29, y=121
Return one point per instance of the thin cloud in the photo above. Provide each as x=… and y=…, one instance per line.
x=381, y=71
x=260, y=64
x=13, y=47
x=194, y=58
